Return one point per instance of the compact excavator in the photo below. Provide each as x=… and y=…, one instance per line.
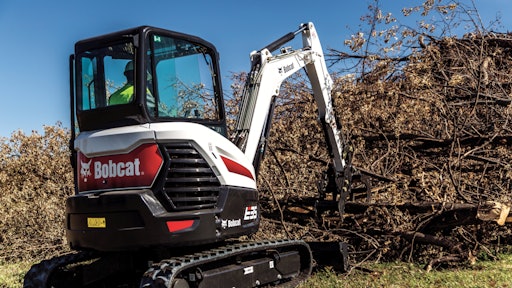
x=162, y=194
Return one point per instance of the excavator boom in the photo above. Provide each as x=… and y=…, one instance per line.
x=267, y=73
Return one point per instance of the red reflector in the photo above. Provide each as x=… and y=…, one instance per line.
x=174, y=226
x=237, y=168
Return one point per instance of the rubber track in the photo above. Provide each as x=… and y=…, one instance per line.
x=164, y=273
x=38, y=275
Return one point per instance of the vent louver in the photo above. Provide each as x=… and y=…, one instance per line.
x=190, y=183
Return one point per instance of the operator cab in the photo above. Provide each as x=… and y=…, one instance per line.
x=145, y=75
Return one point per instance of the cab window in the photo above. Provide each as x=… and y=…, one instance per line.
x=102, y=73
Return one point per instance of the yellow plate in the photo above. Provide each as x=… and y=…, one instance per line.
x=96, y=222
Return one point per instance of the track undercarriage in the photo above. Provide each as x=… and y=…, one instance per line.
x=283, y=263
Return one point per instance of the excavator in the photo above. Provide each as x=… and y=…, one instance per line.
x=163, y=195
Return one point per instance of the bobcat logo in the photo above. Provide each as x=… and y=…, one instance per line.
x=85, y=169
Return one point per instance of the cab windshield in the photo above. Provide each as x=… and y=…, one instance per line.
x=181, y=79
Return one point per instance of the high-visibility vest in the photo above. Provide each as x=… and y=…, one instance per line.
x=121, y=96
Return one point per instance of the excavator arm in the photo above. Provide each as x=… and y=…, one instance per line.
x=267, y=73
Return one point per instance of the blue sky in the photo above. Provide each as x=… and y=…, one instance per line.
x=38, y=37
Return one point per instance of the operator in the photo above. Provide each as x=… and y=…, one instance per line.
x=124, y=94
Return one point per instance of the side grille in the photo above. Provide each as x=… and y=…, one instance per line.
x=190, y=183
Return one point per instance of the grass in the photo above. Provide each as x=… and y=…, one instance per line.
x=11, y=275
x=394, y=275
x=398, y=275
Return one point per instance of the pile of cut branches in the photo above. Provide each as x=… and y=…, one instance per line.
x=434, y=133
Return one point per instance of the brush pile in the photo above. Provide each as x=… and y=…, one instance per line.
x=433, y=131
